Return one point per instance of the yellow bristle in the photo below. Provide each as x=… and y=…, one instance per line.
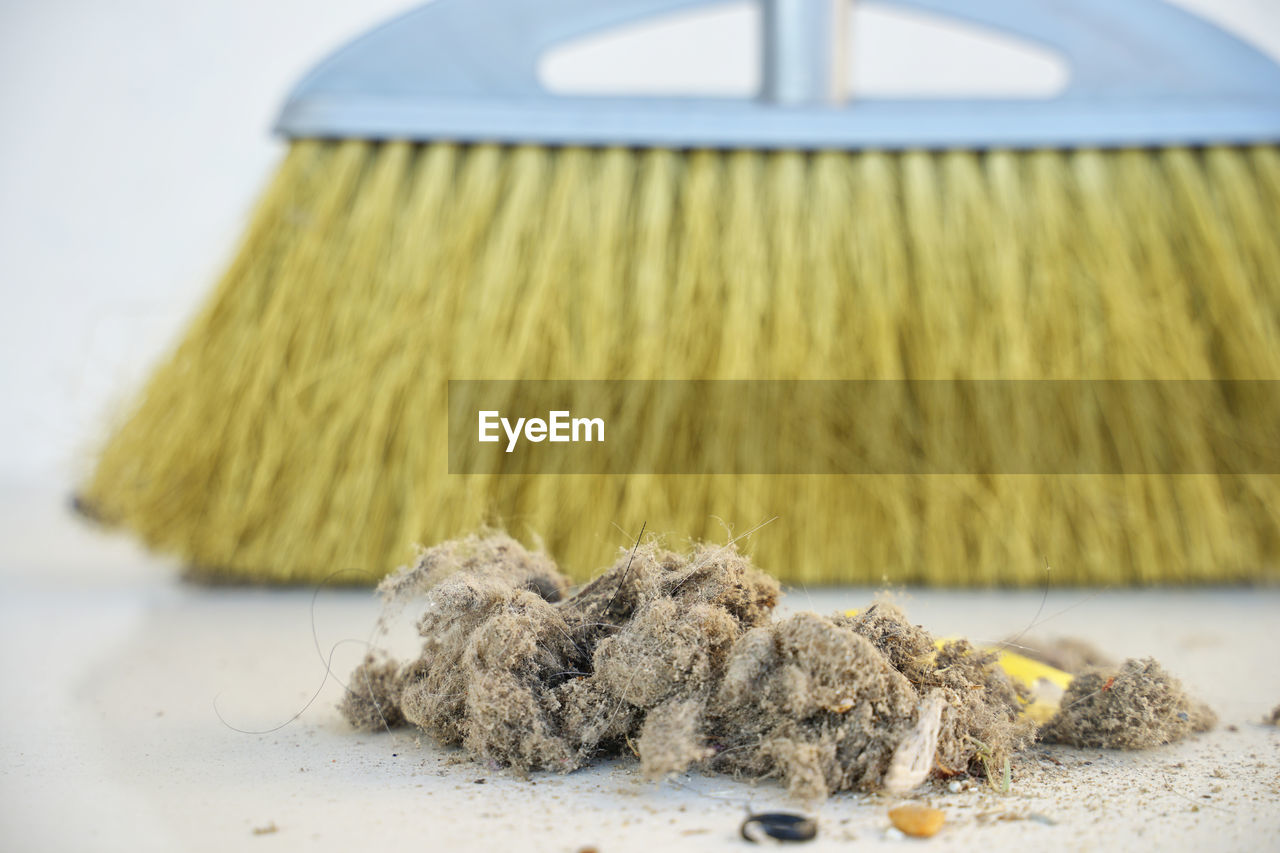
x=299, y=427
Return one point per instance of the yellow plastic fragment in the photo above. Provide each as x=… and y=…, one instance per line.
x=1030, y=671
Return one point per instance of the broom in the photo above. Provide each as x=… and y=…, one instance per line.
x=438, y=216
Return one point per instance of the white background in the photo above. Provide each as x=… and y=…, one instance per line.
x=134, y=136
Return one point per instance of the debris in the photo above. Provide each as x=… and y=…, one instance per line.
x=780, y=826
x=917, y=820
x=372, y=702
x=1274, y=719
x=678, y=657
x=1136, y=706
x=1009, y=817
x=269, y=829
x=913, y=759
x=678, y=660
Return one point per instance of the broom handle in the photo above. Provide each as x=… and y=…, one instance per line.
x=804, y=51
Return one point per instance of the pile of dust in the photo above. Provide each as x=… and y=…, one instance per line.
x=1136, y=706
x=679, y=660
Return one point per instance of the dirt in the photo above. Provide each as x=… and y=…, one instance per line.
x=679, y=660
x=1135, y=706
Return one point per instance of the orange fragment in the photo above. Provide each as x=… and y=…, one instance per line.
x=916, y=820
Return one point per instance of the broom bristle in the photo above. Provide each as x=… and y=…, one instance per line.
x=300, y=426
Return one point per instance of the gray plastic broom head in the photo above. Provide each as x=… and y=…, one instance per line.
x=1143, y=73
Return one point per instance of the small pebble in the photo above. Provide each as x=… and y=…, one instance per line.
x=955, y=787
x=916, y=820
x=893, y=834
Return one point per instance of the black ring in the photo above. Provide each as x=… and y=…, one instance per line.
x=781, y=826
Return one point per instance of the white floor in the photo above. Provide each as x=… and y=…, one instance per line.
x=110, y=739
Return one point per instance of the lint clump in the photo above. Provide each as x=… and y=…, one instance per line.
x=1135, y=706
x=678, y=659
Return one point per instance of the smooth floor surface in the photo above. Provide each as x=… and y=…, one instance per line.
x=116, y=674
